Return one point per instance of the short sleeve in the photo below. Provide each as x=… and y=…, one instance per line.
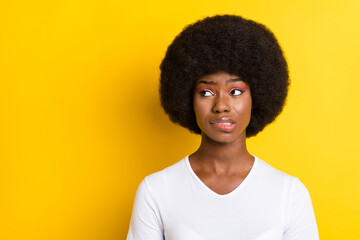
x=301, y=222
x=145, y=221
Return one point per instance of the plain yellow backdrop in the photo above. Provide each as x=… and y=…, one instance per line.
x=81, y=124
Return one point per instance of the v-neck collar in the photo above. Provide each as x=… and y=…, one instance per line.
x=238, y=188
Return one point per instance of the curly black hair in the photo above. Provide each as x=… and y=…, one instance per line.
x=231, y=44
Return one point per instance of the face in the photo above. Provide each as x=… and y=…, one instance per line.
x=222, y=105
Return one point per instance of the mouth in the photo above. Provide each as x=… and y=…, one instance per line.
x=224, y=124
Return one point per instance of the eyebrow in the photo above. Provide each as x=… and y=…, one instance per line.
x=231, y=80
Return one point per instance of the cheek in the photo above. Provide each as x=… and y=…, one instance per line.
x=244, y=107
x=199, y=112
x=200, y=109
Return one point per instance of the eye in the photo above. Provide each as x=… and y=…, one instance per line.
x=206, y=93
x=236, y=92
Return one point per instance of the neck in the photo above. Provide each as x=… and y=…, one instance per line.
x=222, y=157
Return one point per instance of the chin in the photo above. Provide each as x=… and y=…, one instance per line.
x=223, y=138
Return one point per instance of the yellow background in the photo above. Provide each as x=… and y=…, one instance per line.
x=81, y=124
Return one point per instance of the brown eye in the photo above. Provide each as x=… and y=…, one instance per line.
x=236, y=92
x=206, y=93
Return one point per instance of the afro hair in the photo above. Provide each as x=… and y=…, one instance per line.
x=231, y=44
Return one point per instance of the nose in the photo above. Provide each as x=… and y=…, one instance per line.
x=221, y=104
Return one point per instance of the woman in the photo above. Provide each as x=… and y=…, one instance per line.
x=224, y=77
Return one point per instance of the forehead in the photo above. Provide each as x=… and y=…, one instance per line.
x=219, y=78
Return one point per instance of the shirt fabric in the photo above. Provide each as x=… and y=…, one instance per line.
x=174, y=204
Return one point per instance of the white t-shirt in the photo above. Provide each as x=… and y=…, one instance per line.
x=174, y=204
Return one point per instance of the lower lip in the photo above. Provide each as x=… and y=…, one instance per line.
x=224, y=127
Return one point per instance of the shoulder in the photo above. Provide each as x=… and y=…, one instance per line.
x=168, y=177
x=296, y=202
x=270, y=175
x=268, y=172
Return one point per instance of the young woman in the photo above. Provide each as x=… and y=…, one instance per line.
x=224, y=77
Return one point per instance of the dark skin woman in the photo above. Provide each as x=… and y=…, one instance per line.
x=222, y=105
x=224, y=78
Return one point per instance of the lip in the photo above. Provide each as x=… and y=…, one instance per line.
x=224, y=124
x=222, y=120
